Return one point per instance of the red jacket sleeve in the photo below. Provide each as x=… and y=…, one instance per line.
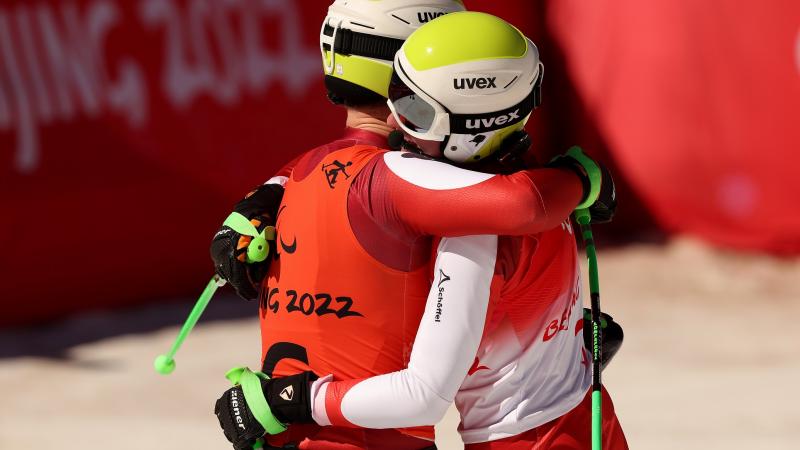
x=443, y=200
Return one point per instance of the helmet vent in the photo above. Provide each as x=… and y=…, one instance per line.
x=401, y=19
x=362, y=25
x=511, y=82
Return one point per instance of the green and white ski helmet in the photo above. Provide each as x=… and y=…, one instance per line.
x=467, y=79
x=364, y=36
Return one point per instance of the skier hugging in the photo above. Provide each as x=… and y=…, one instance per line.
x=405, y=277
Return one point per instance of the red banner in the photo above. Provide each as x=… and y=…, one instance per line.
x=698, y=103
x=129, y=129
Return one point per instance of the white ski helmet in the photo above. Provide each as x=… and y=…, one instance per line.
x=364, y=36
x=467, y=79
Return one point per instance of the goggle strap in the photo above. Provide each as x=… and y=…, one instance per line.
x=349, y=42
x=481, y=123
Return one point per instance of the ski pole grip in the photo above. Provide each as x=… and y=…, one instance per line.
x=258, y=249
x=592, y=171
x=251, y=387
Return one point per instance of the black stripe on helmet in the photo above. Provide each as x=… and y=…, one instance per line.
x=349, y=42
x=481, y=123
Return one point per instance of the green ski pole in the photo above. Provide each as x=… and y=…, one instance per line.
x=257, y=251
x=165, y=364
x=584, y=217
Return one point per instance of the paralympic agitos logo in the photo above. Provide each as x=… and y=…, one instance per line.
x=288, y=248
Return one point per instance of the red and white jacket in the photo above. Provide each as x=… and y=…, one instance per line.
x=500, y=334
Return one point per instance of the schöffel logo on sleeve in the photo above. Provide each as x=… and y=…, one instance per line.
x=443, y=277
x=475, y=83
x=491, y=121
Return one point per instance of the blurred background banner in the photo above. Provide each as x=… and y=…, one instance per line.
x=129, y=128
x=698, y=104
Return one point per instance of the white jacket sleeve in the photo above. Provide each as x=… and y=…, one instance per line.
x=444, y=349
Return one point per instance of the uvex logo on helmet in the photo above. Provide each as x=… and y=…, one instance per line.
x=475, y=83
x=427, y=16
x=490, y=121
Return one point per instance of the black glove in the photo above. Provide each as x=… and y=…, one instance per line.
x=595, y=178
x=229, y=252
x=289, y=399
x=604, y=208
x=229, y=248
x=611, y=332
x=236, y=420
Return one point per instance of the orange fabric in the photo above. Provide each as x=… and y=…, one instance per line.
x=326, y=300
x=572, y=431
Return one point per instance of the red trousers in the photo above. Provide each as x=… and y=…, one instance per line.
x=314, y=437
x=572, y=431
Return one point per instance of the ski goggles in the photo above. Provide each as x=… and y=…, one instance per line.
x=417, y=112
x=422, y=117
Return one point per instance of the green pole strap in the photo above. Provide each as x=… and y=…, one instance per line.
x=254, y=396
x=240, y=224
x=258, y=249
x=592, y=171
x=584, y=217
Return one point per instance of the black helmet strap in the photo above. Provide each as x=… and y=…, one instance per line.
x=349, y=42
